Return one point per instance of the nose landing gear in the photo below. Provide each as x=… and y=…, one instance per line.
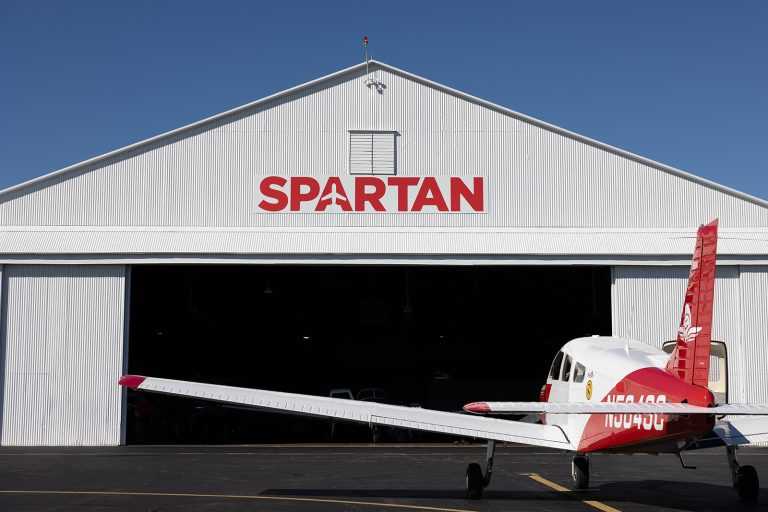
x=476, y=480
x=744, y=478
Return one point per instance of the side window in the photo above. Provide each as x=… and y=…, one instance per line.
x=567, y=369
x=579, y=372
x=554, y=371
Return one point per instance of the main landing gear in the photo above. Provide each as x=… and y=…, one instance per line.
x=744, y=478
x=580, y=471
x=477, y=480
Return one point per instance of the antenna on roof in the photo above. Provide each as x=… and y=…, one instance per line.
x=369, y=80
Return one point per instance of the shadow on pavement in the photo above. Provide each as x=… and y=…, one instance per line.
x=650, y=493
x=673, y=495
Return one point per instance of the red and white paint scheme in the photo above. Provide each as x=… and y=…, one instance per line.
x=371, y=194
x=603, y=394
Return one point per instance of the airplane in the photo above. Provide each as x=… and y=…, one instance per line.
x=334, y=198
x=603, y=394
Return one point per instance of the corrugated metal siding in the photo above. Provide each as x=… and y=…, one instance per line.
x=754, y=318
x=647, y=303
x=63, y=355
x=535, y=177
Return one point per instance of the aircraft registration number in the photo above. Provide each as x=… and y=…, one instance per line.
x=636, y=421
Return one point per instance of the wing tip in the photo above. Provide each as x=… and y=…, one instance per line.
x=477, y=408
x=131, y=381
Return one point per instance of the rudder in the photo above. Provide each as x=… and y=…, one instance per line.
x=690, y=359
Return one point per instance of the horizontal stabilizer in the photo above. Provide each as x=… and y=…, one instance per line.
x=612, y=408
x=742, y=430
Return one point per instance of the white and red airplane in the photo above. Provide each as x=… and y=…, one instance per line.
x=603, y=394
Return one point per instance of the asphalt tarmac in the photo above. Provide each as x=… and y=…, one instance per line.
x=307, y=478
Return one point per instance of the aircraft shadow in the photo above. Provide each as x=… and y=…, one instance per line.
x=652, y=493
x=673, y=495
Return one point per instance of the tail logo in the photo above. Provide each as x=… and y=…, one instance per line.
x=688, y=332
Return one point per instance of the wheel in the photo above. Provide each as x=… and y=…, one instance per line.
x=747, y=484
x=580, y=471
x=474, y=481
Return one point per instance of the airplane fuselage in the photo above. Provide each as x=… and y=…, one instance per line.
x=608, y=369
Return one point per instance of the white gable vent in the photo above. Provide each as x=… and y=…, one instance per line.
x=372, y=152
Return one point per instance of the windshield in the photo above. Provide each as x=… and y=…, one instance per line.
x=554, y=371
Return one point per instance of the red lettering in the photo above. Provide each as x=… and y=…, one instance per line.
x=271, y=188
x=474, y=198
x=402, y=183
x=311, y=190
x=333, y=193
x=362, y=195
x=429, y=195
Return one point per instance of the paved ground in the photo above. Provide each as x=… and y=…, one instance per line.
x=362, y=478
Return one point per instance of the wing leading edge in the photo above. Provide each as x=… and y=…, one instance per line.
x=415, y=418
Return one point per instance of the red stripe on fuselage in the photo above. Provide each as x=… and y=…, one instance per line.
x=647, y=385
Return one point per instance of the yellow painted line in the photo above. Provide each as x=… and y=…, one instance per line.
x=240, y=497
x=601, y=506
x=559, y=488
x=552, y=485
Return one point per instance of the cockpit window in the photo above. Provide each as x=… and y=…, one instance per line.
x=579, y=372
x=554, y=371
x=567, y=369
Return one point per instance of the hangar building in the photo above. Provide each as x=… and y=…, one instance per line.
x=369, y=231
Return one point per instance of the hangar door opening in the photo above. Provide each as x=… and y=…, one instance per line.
x=436, y=337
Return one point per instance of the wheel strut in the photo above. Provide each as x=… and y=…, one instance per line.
x=477, y=479
x=744, y=478
x=490, y=451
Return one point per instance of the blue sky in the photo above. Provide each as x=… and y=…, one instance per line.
x=685, y=83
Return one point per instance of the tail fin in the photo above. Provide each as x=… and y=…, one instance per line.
x=690, y=359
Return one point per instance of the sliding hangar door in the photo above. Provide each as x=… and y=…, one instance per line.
x=62, y=349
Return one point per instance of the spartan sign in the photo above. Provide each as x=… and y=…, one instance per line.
x=371, y=194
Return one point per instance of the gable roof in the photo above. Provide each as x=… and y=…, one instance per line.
x=381, y=65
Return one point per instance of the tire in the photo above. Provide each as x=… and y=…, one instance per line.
x=474, y=481
x=580, y=472
x=747, y=484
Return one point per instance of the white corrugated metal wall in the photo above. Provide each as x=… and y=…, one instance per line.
x=754, y=331
x=647, y=303
x=63, y=348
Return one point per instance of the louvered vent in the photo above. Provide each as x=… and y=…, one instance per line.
x=372, y=152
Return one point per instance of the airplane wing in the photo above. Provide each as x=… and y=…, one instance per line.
x=415, y=418
x=613, y=408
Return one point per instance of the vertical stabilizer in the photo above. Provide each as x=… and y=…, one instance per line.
x=690, y=359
